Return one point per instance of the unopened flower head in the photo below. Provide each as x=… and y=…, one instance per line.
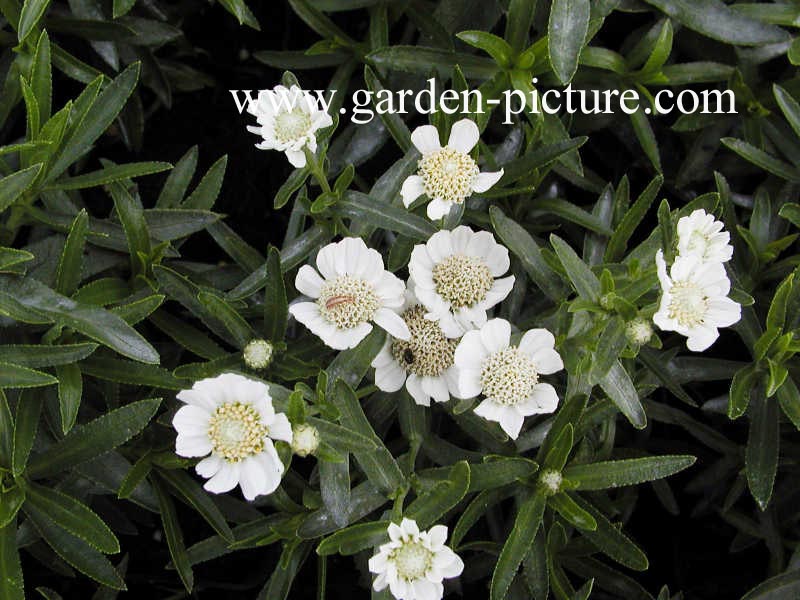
x=639, y=331
x=351, y=291
x=288, y=119
x=257, y=354
x=229, y=419
x=507, y=376
x=414, y=563
x=305, y=439
x=694, y=300
x=446, y=175
x=456, y=276
x=702, y=236
x=551, y=481
x=424, y=363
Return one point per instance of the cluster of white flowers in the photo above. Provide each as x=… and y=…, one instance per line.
x=694, y=299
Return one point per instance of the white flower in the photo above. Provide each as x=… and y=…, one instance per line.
x=508, y=376
x=287, y=121
x=424, y=362
x=446, y=175
x=694, y=300
x=305, y=439
x=702, y=236
x=353, y=291
x=257, y=354
x=230, y=420
x=414, y=563
x=454, y=276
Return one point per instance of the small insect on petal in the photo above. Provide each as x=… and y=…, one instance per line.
x=337, y=300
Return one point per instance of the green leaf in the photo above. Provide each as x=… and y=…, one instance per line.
x=494, y=46
x=363, y=209
x=11, y=501
x=74, y=550
x=32, y=11
x=585, y=282
x=276, y=309
x=789, y=106
x=517, y=545
x=566, y=33
x=633, y=217
x=96, y=323
x=14, y=376
x=41, y=77
x=393, y=122
x=191, y=493
x=429, y=507
x=70, y=265
x=11, y=585
x=104, y=110
x=178, y=180
x=379, y=465
x=524, y=247
x=11, y=259
x=108, y=175
x=741, y=387
x=421, y=60
x=14, y=185
x=206, y=192
x=571, y=512
x=610, y=345
x=26, y=424
x=557, y=456
x=97, y=437
x=617, y=473
x=714, y=19
x=354, y=539
x=618, y=386
x=610, y=540
x=541, y=157
x=236, y=325
x=174, y=535
x=780, y=587
x=124, y=371
x=761, y=455
x=70, y=391
x=762, y=159
x=74, y=516
x=647, y=139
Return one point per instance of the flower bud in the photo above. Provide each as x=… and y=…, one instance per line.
x=257, y=354
x=305, y=439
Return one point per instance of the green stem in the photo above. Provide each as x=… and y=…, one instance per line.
x=315, y=167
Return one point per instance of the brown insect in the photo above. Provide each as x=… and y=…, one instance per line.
x=334, y=301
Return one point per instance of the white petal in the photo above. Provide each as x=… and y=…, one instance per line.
x=253, y=479
x=438, y=209
x=436, y=388
x=192, y=445
x=499, y=291
x=409, y=527
x=426, y=139
x=280, y=429
x=308, y=281
x=496, y=335
x=469, y=383
x=463, y=136
x=547, y=361
x=197, y=398
x=470, y=352
x=380, y=582
x=425, y=590
x=724, y=312
x=393, y=323
x=661, y=268
x=454, y=567
x=414, y=387
x=489, y=410
x=191, y=420
x=208, y=467
x=484, y=181
x=701, y=338
x=305, y=312
x=297, y=158
x=225, y=480
x=543, y=400
x=437, y=536
x=511, y=422
x=394, y=531
x=413, y=188
x=390, y=378
x=330, y=261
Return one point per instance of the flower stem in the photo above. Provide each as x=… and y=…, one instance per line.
x=315, y=166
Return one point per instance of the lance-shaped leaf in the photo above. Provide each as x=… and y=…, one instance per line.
x=617, y=473
x=429, y=507
x=354, y=539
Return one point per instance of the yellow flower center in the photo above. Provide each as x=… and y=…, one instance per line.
x=428, y=353
x=291, y=125
x=412, y=560
x=347, y=301
x=688, y=304
x=448, y=174
x=508, y=376
x=462, y=280
x=236, y=431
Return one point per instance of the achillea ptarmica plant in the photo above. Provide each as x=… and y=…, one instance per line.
x=288, y=119
x=353, y=291
x=230, y=420
x=457, y=276
x=447, y=175
x=507, y=376
x=414, y=563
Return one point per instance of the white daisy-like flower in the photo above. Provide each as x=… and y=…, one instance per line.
x=230, y=420
x=507, y=376
x=288, y=119
x=414, y=563
x=353, y=291
x=694, y=300
x=447, y=175
x=455, y=276
x=702, y=236
x=424, y=362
